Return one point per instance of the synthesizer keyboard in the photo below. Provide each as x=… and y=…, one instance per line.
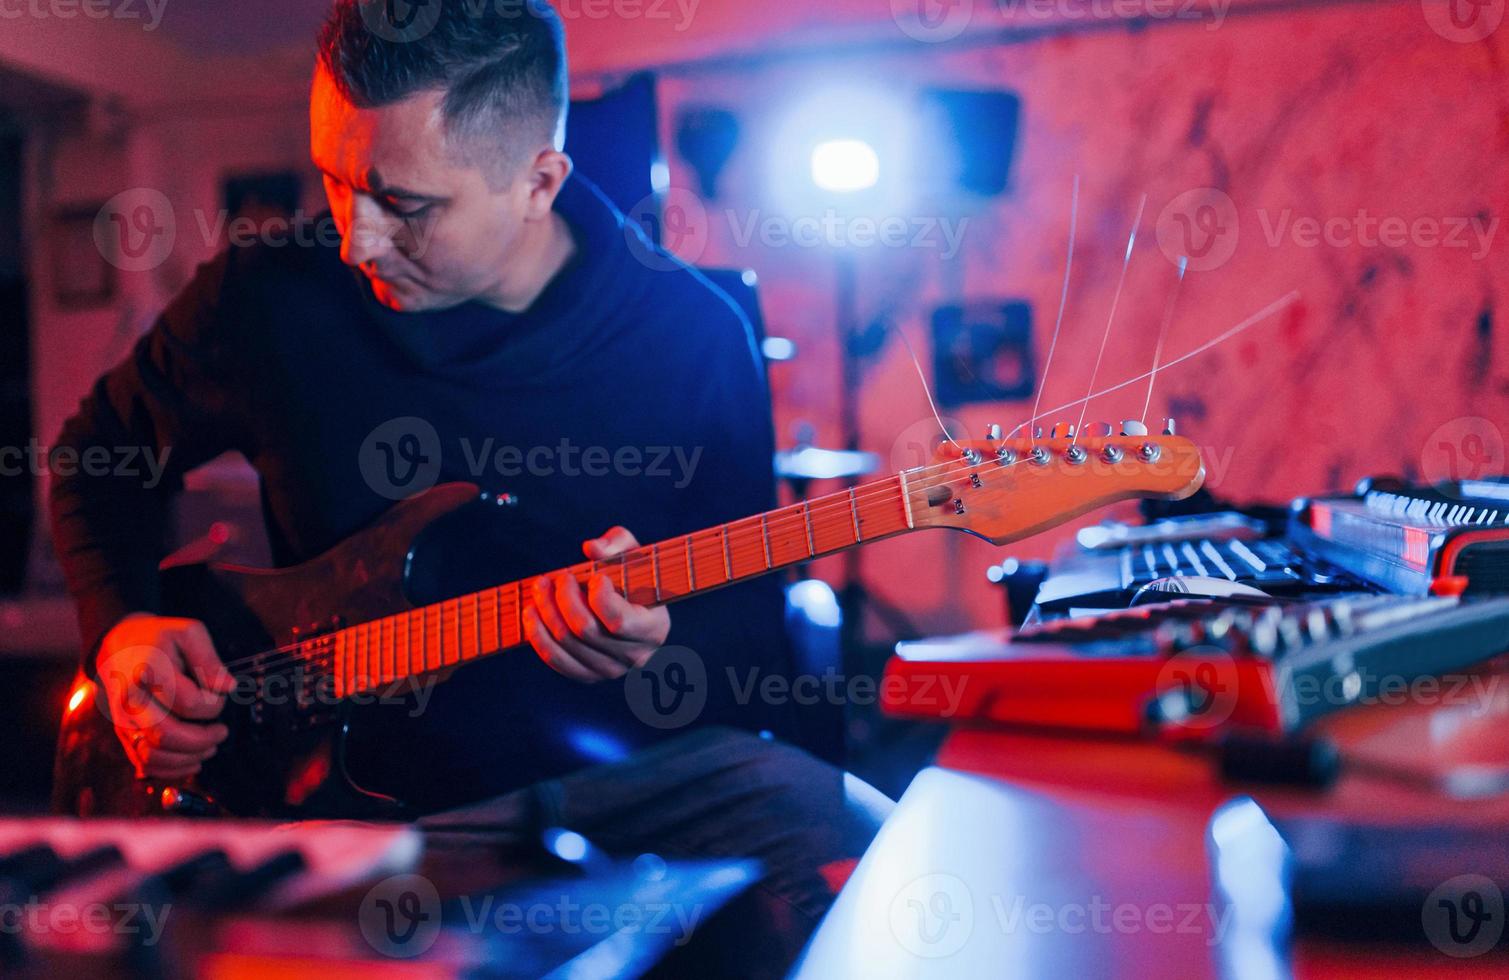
x=1452, y=540
x=1109, y=578
x=1198, y=667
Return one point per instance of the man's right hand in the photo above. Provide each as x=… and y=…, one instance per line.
x=164, y=687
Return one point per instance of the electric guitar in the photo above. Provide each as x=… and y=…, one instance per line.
x=306, y=642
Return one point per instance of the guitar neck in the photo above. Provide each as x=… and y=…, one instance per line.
x=457, y=631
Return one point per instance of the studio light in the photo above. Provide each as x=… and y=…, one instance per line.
x=845, y=166
x=847, y=149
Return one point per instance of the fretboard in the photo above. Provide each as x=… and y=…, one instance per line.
x=375, y=654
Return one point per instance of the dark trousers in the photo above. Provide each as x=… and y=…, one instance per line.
x=713, y=793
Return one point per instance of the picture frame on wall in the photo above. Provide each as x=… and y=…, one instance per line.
x=82, y=278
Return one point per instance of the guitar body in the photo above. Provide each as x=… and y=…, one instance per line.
x=281, y=759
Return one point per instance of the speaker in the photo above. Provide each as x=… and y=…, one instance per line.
x=972, y=137
x=614, y=140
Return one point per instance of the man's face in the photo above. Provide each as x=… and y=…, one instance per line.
x=425, y=227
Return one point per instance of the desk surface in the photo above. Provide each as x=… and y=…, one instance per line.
x=1026, y=855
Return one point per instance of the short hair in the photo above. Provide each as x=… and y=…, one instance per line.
x=501, y=65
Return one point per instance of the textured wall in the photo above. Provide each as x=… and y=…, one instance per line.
x=1313, y=126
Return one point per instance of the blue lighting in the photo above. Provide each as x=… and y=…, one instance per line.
x=845, y=166
x=597, y=745
x=567, y=845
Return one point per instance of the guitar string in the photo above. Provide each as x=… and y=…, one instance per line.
x=1276, y=306
x=838, y=501
x=1168, y=318
x=1063, y=303
x=1126, y=263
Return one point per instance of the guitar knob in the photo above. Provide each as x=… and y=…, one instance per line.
x=1098, y=430
x=1169, y=428
x=187, y=803
x=1063, y=430
x=993, y=432
x=1131, y=427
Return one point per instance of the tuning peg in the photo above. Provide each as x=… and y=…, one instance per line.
x=1063, y=430
x=993, y=432
x=1098, y=430
x=1168, y=427
x=1132, y=427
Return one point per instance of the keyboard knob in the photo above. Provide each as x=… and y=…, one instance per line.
x=1263, y=636
x=1132, y=427
x=1318, y=625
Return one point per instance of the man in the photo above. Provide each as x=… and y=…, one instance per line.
x=482, y=298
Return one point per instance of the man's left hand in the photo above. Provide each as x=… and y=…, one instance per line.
x=596, y=634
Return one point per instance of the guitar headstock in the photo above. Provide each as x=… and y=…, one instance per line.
x=1005, y=489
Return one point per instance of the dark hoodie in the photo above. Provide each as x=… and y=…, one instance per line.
x=630, y=393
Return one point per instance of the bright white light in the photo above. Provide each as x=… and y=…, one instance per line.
x=845, y=166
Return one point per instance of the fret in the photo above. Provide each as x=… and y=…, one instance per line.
x=691, y=573
x=494, y=640
x=906, y=498
x=807, y=520
x=361, y=657
x=747, y=549
x=384, y=652
x=655, y=568
x=342, y=665
x=400, y=667
x=791, y=539
x=390, y=649
x=518, y=611
x=454, y=655
x=623, y=567
x=854, y=510
x=881, y=513
x=765, y=539
x=728, y=556
x=405, y=664
x=471, y=651
x=431, y=654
